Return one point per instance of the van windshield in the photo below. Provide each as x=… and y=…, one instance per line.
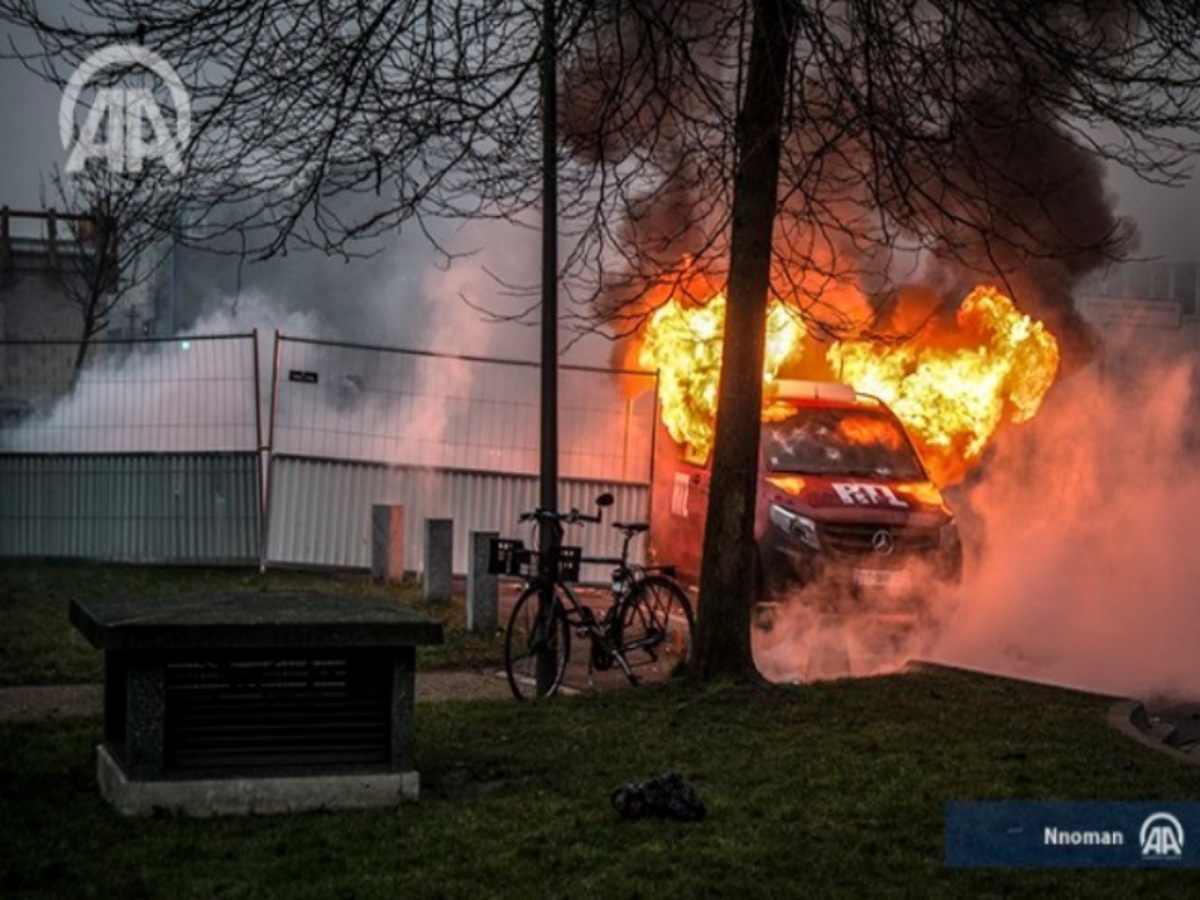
x=841, y=441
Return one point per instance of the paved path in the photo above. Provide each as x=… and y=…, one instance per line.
x=1171, y=722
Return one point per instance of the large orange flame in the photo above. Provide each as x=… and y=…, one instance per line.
x=683, y=342
x=952, y=400
x=952, y=392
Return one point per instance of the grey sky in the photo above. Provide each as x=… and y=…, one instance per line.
x=29, y=144
x=29, y=147
x=399, y=297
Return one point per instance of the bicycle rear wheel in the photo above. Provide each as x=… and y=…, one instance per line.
x=528, y=637
x=657, y=625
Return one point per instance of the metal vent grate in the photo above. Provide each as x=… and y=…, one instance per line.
x=255, y=713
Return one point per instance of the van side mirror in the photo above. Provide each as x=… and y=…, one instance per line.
x=605, y=499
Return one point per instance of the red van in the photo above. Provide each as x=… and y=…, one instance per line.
x=844, y=503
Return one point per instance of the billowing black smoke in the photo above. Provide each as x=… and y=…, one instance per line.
x=1031, y=211
x=632, y=103
x=931, y=155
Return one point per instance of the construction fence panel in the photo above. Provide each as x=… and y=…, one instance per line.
x=151, y=453
x=403, y=408
x=444, y=436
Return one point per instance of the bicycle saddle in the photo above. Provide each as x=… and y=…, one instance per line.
x=631, y=527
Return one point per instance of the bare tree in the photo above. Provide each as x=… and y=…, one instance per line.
x=119, y=245
x=778, y=147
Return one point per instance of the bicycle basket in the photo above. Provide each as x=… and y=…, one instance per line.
x=567, y=563
x=506, y=556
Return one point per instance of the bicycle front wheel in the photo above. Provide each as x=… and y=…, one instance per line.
x=532, y=636
x=657, y=625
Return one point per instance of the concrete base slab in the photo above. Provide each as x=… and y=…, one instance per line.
x=250, y=796
x=1128, y=716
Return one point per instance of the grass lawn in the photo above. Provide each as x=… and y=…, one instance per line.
x=38, y=645
x=829, y=790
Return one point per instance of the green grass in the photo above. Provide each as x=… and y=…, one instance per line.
x=833, y=790
x=830, y=790
x=38, y=645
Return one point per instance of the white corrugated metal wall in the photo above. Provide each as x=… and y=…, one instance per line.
x=134, y=507
x=320, y=510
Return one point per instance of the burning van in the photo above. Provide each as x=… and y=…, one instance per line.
x=846, y=511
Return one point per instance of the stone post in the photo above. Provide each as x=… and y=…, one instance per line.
x=482, y=589
x=387, y=542
x=439, y=560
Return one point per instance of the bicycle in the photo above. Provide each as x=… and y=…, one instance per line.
x=648, y=624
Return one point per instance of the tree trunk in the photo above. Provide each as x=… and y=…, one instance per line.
x=81, y=354
x=85, y=343
x=723, y=622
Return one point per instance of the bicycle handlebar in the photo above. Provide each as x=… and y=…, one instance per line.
x=573, y=517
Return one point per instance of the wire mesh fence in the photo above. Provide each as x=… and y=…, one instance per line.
x=361, y=403
x=153, y=450
x=153, y=395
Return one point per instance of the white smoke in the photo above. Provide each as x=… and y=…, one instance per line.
x=1088, y=575
x=195, y=392
x=1082, y=568
x=821, y=632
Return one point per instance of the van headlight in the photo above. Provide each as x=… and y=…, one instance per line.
x=798, y=526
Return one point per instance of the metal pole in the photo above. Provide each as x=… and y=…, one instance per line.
x=268, y=453
x=173, y=304
x=549, y=360
x=260, y=456
x=258, y=430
